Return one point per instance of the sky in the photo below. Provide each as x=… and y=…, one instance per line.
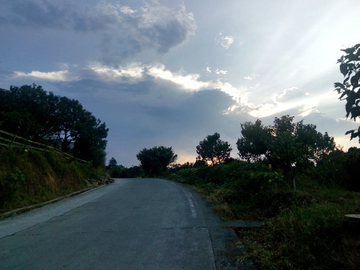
x=170, y=73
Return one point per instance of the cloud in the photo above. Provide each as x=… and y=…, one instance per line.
x=123, y=32
x=63, y=75
x=290, y=99
x=155, y=27
x=219, y=71
x=36, y=14
x=226, y=41
x=135, y=74
x=289, y=94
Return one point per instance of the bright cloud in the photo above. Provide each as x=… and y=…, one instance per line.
x=226, y=41
x=133, y=71
x=290, y=98
x=61, y=76
x=189, y=82
x=219, y=71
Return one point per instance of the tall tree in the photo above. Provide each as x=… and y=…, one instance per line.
x=285, y=143
x=254, y=141
x=154, y=161
x=349, y=89
x=31, y=112
x=112, y=164
x=213, y=150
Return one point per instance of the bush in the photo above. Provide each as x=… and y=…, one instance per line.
x=340, y=168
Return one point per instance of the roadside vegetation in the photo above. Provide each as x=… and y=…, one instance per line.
x=69, y=153
x=296, y=182
x=31, y=177
x=302, y=229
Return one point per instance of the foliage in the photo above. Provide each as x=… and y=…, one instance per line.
x=119, y=171
x=30, y=177
x=301, y=229
x=154, y=161
x=31, y=112
x=284, y=144
x=135, y=171
x=311, y=237
x=112, y=164
x=340, y=169
x=213, y=150
x=10, y=183
x=349, y=89
x=253, y=145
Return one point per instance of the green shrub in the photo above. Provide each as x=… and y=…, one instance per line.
x=340, y=168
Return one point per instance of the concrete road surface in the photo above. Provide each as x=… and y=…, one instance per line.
x=131, y=224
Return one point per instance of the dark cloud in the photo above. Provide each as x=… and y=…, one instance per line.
x=124, y=32
x=91, y=86
x=156, y=28
x=32, y=14
x=42, y=14
x=167, y=36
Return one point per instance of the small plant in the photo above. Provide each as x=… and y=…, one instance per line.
x=11, y=182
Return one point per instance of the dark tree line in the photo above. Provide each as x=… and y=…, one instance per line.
x=154, y=161
x=33, y=113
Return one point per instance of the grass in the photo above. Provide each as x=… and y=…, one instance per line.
x=306, y=229
x=31, y=177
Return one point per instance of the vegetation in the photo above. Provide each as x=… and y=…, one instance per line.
x=284, y=145
x=302, y=229
x=154, y=161
x=213, y=150
x=119, y=171
x=349, y=89
x=30, y=175
x=32, y=113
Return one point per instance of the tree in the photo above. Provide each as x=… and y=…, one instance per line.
x=284, y=144
x=112, y=164
x=213, y=150
x=254, y=141
x=31, y=112
x=349, y=89
x=154, y=161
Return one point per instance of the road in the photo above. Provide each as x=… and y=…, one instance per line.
x=130, y=224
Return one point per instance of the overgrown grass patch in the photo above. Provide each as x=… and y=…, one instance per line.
x=30, y=177
x=303, y=229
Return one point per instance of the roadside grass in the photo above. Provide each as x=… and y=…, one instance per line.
x=31, y=177
x=303, y=229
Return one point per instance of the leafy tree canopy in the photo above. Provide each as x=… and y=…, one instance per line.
x=31, y=112
x=253, y=145
x=154, y=161
x=213, y=150
x=284, y=143
x=112, y=164
x=349, y=89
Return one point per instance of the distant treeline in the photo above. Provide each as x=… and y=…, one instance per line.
x=41, y=116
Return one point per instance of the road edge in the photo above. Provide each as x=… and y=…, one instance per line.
x=226, y=245
x=21, y=210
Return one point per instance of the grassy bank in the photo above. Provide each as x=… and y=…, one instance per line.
x=303, y=229
x=31, y=177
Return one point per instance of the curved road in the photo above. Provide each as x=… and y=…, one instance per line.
x=131, y=224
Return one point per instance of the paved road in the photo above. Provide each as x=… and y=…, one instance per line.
x=131, y=224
